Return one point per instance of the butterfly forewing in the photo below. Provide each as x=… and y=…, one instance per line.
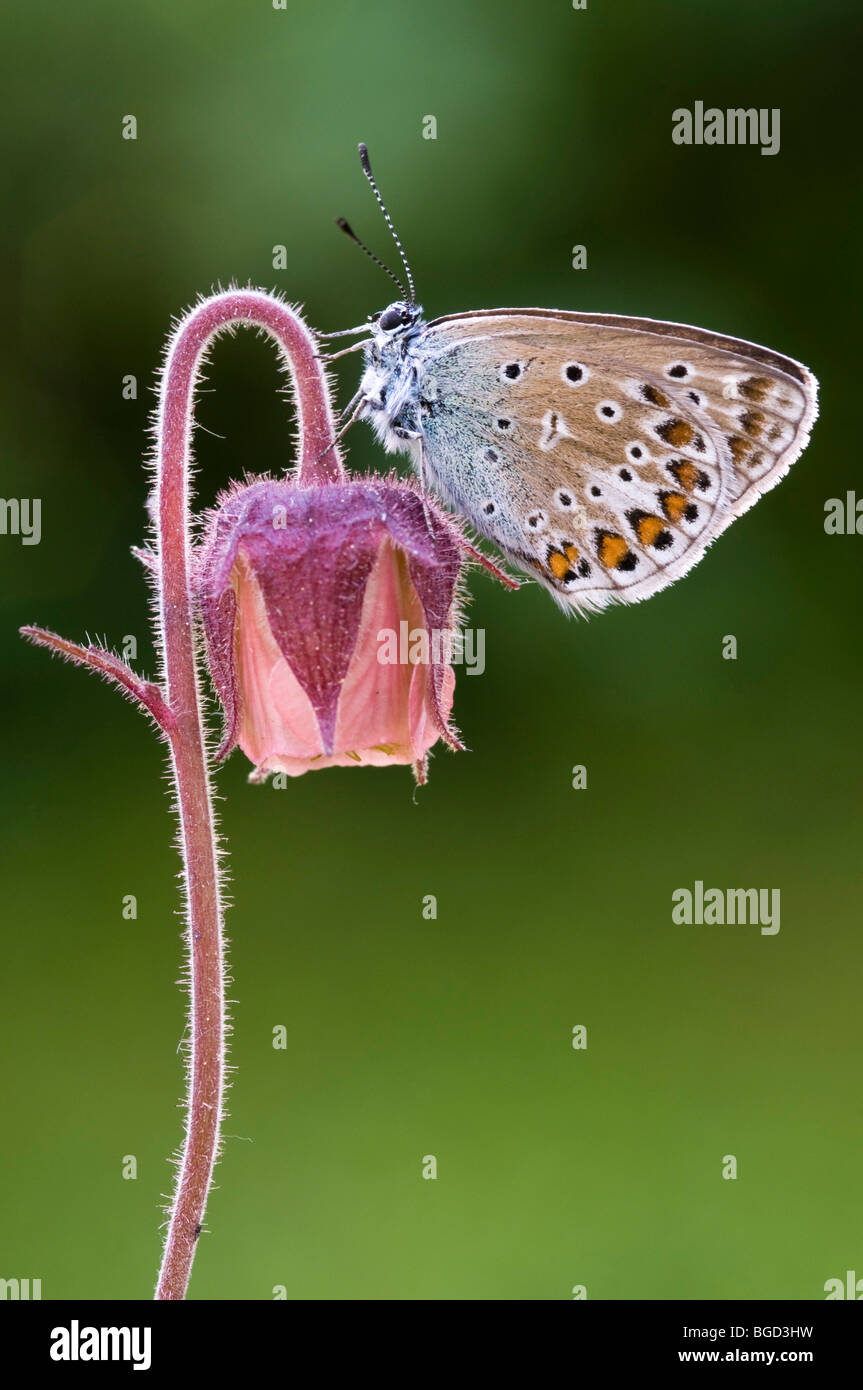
x=603, y=454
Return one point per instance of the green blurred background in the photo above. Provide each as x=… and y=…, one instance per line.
x=453, y=1037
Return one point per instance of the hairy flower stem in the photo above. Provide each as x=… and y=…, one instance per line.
x=175, y=705
x=205, y=937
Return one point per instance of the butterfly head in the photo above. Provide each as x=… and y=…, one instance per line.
x=397, y=320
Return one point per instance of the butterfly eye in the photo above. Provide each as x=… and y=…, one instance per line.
x=394, y=317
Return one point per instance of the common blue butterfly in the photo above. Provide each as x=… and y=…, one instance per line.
x=601, y=454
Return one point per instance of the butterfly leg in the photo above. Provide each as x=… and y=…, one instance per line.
x=352, y=417
x=500, y=575
x=423, y=479
x=346, y=332
x=355, y=347
x=348, y=417
x=356, y=400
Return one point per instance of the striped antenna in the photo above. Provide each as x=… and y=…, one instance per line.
x=349, y=231
x=367, y=170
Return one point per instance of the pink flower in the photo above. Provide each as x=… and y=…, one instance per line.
x=297, y=587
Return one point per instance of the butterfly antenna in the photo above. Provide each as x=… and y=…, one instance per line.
x=367, y=170
x=349, y=231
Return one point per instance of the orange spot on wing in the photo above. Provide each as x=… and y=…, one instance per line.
x=655, y=396
x=688, y=475
x=612, y=549
x=649, y=528
x=677, y=433
x=674, y=505
x=558, y=564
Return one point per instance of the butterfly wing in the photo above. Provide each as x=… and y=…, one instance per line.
x=604, y=454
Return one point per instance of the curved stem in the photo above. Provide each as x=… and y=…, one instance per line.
x=319, y=463
x=141, y=692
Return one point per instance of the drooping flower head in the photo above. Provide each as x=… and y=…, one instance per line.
x=296, y=587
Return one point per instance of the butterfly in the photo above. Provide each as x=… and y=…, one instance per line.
x=601, y=454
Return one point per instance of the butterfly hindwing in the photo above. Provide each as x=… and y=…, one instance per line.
x=602, y=455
